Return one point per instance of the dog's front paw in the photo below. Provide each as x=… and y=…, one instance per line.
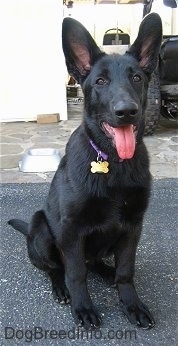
x=138, y=314
x=86, y=317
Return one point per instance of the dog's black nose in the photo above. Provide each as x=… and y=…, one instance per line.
x=126, y=108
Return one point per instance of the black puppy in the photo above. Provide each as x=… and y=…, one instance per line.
x=100, y=191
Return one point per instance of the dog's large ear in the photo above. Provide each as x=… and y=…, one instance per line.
x=79, y=48
x=147, y=44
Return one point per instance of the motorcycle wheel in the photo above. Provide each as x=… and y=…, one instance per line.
x=152, y=113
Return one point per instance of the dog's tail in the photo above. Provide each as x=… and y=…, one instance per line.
x=19, y=225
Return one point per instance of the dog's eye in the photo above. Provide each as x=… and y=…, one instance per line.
x=136, y=78
x=100, y=81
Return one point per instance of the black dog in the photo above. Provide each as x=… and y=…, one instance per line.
x=100, y=191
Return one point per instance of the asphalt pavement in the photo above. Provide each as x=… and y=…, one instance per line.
x=30, y=316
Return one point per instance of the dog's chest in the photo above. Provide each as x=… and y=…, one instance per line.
x=122, y=206
x=104, y=212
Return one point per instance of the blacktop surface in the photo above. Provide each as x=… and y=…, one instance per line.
x=29, y=315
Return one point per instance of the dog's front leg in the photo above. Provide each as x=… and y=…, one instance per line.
x=83, y=310
x=135, y=310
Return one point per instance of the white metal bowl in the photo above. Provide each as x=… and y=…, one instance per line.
x=40, y=160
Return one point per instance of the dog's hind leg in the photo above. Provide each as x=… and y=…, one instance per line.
x=45, y=256
x=59, y=289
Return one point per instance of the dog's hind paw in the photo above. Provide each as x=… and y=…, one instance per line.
x=61, y=295
x=59, y=290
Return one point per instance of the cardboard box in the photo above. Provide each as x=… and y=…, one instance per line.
x=48, y=118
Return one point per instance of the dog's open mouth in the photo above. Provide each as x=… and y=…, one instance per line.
x=124, y=139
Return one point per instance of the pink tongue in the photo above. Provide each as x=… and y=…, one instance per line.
x=124, y=141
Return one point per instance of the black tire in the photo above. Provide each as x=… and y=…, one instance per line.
x=152, y=113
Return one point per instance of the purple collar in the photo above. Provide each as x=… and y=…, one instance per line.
x=100, y=153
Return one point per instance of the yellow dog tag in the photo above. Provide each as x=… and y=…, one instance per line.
x=99, y=167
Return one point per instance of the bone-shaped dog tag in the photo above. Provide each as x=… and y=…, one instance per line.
x=99, y=167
